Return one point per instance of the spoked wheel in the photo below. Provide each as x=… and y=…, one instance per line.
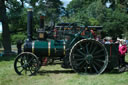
x=88, y=56
x=26, y=63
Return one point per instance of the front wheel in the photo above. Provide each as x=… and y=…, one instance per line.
x=26, y=63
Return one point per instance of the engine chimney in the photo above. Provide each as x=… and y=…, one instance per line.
x=41, y=22
x=29, y=24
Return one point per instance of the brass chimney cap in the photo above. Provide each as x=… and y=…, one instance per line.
x=42, y=17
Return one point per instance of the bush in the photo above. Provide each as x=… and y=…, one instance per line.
x=18, y=36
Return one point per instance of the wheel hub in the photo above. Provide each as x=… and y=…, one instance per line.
x=25, y=65
x=89, y=58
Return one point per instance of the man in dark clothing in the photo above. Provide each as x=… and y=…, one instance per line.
x=19, y=44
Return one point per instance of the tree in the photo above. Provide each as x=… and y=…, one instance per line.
x=5, y=34
x=51, y=8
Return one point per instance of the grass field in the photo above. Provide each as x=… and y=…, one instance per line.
x=55, y=75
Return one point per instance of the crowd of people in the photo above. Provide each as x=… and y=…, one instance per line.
x=122, y=47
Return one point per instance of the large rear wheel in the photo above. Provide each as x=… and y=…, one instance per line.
x=88, y=56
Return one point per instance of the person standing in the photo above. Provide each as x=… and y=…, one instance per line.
x=122, y=51
x=19, y=44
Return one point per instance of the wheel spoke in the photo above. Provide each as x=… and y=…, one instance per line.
x=87, y=48
x=23, y=59
x=34, y=61
x=78, y=50
x=95, y=68
x=25, y=71
x=81, y=59
x=98, y=56
x=34, y=65
x=97, y=64
x=94, y=49
x=91, y=47
x=22, y=70
x=30, y=70
x=27, y=56
x=30, y=60
x=20, y=66
x=85, y=68
x=97, y=52
x=34, y=68
x=78, y=64
x=99, y=60
x=82, y=47
x=77, y=55
x=82, y=66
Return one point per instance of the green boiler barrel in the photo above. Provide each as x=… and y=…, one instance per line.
x=46, y=48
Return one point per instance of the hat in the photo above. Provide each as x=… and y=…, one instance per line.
x=123, y=41
x=108, y=38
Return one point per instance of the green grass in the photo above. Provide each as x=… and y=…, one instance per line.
x=55, y=75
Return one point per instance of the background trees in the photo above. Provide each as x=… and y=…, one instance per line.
x=94, y=12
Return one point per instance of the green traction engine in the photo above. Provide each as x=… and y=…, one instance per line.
x=83, y=54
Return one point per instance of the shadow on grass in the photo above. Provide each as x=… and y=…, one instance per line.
x=56, y=63
x=55, y=72
x=7, y=58
x=117, y=71
x=114, y=71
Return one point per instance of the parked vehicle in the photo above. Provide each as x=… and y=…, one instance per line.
x=83, y=54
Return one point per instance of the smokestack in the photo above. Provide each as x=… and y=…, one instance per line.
x=41, y=22
x=29, y=24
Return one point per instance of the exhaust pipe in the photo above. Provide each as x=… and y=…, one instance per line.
x=29, y=24
x=41, y=22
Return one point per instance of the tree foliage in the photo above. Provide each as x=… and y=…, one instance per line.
x=94, y=12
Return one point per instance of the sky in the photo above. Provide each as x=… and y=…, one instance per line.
x=65, y=4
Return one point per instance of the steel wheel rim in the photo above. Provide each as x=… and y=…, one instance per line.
x=91, y=60
x=26, y=63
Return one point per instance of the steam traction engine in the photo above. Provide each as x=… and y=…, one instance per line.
x=81, y=53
